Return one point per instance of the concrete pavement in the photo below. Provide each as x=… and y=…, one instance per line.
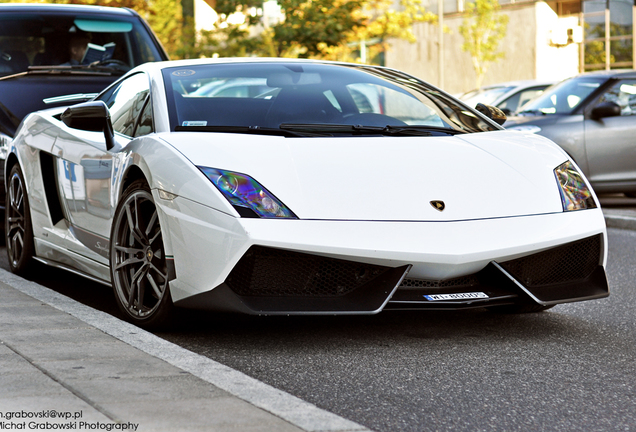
x=64, y=365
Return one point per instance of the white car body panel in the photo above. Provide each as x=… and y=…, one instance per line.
x=296, y=170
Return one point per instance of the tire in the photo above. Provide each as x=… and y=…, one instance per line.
x=138, y=267
x=519, y=309
x=17, y=224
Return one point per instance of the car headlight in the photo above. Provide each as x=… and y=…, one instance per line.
x=575, y=195
x=5, y=142
x=525, y=128
x=245, y=193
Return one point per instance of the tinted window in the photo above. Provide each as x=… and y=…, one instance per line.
x=267, y=95
x=624, y=94
x=51, y=39
x=145, y=125
x=125, y=102
x=564, y=97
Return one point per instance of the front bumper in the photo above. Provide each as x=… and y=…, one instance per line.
x=274, y=282
x=210, y=249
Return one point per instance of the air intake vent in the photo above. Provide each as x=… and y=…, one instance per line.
x=564, y=264
x=273, y=272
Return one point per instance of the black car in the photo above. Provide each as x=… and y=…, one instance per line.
x=52, y=55
x=592, y=116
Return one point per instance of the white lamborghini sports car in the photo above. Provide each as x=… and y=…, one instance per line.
x=328, y=188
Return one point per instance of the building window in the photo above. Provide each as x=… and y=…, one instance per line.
x=608, y=28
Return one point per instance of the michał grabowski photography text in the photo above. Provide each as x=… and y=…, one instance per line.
x=72, y=425
x=46, y=420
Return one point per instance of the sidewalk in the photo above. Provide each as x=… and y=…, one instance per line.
x=620, y=218
x=66, y=366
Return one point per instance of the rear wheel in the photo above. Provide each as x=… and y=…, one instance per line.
x=137, y=259
x=17, y=224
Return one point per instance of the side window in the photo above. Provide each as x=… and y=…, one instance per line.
x=145, y=126
x=126, y=101
x=624, y=94
x=515, y=102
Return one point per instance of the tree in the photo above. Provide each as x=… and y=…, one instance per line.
x=482, y=29
x=327, y=29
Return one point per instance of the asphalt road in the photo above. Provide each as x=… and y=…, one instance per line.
x=570, y=368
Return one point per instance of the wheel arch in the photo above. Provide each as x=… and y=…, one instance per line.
x=132, y=174
x=11, y=160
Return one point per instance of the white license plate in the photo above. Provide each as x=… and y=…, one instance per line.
x=458, y=296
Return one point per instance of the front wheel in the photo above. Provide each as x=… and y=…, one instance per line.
x=17, y=224
x=137, y=259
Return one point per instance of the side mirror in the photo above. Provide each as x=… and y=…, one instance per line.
x=493, y=113
x=605, y=109
x=91, y=116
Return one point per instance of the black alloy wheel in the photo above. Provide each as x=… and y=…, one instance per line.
x=138, y=267
x=17, y=224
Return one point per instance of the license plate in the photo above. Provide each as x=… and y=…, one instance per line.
x=458, y=296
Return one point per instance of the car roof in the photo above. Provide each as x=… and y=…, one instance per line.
x=614, y=73
x=64, y=8
x=519, y=83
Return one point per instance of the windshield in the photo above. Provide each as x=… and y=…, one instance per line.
x=54, y=39
x=309, y=96
x=564, y=97
x=485, y=95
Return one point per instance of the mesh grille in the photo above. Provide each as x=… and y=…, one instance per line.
x=272, y=272
x=464, y=281
x=571, y=262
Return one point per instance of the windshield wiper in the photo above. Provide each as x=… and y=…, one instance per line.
x=257, y=130
x=408, y=130
x=92, y=69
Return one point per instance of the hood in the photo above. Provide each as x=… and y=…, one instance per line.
x=481, y=175
x=25, y=93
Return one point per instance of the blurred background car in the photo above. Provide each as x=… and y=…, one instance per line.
x=593, y=118
x=509, y=96
x=37, y=71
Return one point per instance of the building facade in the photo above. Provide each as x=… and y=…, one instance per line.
x=545, y=41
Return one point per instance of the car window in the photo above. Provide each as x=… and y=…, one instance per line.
x=624, y=94
x=268, y=95
x=125, y=102
x=519, y=99
x=372, y=98
x=145, y=125
x=53, y=39
x=485, y=95
x=564, y=97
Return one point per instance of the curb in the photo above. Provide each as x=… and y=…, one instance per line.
x=620, y=221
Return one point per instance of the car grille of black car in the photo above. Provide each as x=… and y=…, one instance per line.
x=563, y=264
x=264, y=271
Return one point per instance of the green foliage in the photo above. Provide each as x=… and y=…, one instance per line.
x=483, y=29
x=327, y=29
x=620, y=50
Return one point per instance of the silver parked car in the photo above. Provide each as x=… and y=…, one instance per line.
x=592, y=116
x=509, y=96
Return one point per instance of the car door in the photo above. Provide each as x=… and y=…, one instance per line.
x=86, y=171
x=611, y=141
